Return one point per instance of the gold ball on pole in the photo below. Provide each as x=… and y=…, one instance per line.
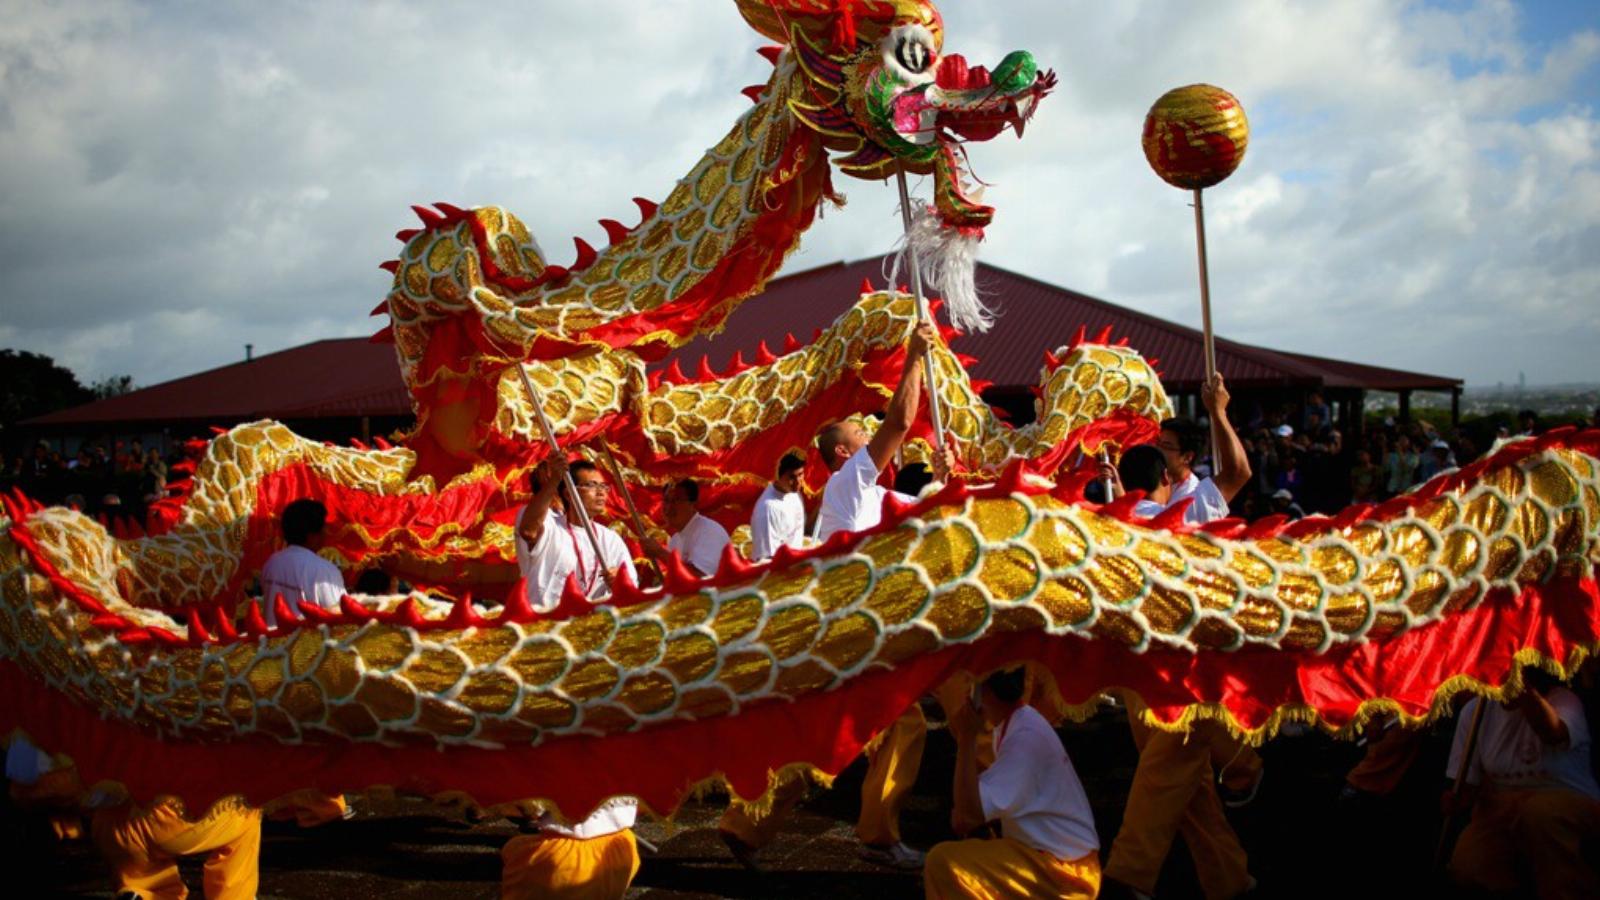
x=1195, y=136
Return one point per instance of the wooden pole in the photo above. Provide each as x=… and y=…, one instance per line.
x=627, y=495
x=1468, y=753
x=572, y=487
x=1205, y=287
x=935, y=411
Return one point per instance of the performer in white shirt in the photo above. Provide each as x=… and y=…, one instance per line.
x=1181, y=440
x=1180, y=444
x=598, y=856
x=1143, y=468
x=779, y=517
x=852, y=500
x=1535, y=804
x=1176, y=786
x=1048, y=846
x=697, y=539
x=296, y=572
x=550, y=546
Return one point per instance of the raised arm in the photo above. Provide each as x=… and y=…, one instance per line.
x=1233, y=466
x=902, y=408
x=530, y=525
x=1543, y=718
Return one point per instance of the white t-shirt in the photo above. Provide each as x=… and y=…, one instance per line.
x=556, y=555
x=298, y=574
x=1511, y=753
x=700, y=544
x=1034, y=791
x=1148, y=508
x=611, y=817
x=852, y=500
x=1209, y=504
x=778, y=519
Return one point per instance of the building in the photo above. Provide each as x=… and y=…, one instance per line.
x=332, y=389
x=1035, y=316
x=348, y=387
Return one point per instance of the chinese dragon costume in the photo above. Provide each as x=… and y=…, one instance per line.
x=139, y=657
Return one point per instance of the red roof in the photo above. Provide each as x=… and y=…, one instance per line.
x=348, y=377
x=1034, y=316
x=332, y=378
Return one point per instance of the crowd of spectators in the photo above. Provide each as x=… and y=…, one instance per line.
x=120, y=481
x=1303, y=464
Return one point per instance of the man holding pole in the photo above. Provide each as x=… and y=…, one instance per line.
x=1175, y=785
x=1534, y=800
x=551, y=547
x=598, y=856
x=852, y=500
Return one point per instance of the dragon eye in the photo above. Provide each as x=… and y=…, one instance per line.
x=911, y=53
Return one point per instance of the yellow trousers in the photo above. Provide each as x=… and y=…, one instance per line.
x=759, y=829
x=308, y=808
x=143, y=845
x=1544, y=839
x=893, y=760
x=562, y=868
x=1389, y=756
x=895, y=756
x=1004, y=868
x=1172, y=792
x=55, y=796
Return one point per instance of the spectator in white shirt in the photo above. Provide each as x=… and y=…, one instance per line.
x=296, y=572
x=550, y=547
x=1047, y=845
x=779, y=517
x=697, y=539
x=1531, y=788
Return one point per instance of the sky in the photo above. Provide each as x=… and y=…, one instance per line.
x=1421, y=190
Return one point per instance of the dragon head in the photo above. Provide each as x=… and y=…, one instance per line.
x=877, y=86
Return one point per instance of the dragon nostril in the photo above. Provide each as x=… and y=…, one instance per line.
x=978, y=78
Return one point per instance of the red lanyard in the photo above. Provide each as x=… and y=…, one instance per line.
x=587, y=584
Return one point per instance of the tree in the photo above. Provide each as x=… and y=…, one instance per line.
x=112, y=386
x=32, y=384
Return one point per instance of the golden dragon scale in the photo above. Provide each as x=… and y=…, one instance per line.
x=135, y=655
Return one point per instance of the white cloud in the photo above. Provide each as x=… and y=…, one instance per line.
x=1422, y=190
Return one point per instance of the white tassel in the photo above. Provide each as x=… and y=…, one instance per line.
x=948, y=260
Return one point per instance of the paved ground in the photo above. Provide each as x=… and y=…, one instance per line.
x=1301, y=843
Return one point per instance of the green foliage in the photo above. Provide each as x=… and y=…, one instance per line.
x=113, y=386
x=32, y=384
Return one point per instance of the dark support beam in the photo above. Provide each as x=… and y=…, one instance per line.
x=1455, y=407
x=1405, y=406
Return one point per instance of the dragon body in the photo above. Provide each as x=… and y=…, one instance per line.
x=135, y=655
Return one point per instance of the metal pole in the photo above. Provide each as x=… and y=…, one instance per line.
x=935, y=411
x=1205, y=287
x=572, y=487
x=1105, y=457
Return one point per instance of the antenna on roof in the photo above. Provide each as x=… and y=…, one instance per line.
x=249, y=352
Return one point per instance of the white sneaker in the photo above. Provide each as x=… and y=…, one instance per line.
x=896, y=855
